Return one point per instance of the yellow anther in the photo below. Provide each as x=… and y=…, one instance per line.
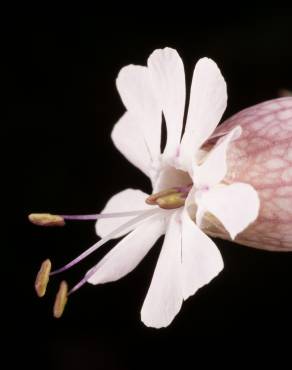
x=171, y=201
x=46, y=219
x=61, y=300
x=167, y=199
x=42, y=278
x=152, y=199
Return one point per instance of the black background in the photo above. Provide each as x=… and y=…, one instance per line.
x=60, y=104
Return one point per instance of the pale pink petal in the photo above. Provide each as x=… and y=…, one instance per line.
x=129, y=252
x=201, y=259
x=124, y=201
x=135, y=87
x=129, y=140
x=168, y=79
x=164, y=297
x=235, y=206
x=208, y=101
x=214, y=167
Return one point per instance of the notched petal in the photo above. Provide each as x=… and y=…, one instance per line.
x=236, y=206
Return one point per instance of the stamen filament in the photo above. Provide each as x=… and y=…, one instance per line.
x=101, y=215
x=79, y=285
x=111, y=235
x=90, y=273
x=48, y=219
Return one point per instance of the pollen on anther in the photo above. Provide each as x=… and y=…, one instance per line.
x=61, y=300
x=46, y=219
x=42, y=278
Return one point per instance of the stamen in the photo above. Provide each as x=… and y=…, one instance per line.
x=111, y=235
x=89, y=274
x=169, y=198
x=61, y=300
x=152, y=199
x=79, y=285
x=42, y=278
x=101, y=215
x=171, y=201
x=46, y=219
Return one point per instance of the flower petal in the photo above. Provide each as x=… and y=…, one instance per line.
x=214, y=167
x=129, y=140
x=164, y=297
x=129, y=252
x=201, y=259
x=208, y=102
x=135, y=87
x=124, y=201
x=235, y=206
x=168, y=79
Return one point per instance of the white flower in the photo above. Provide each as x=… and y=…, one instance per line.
x=187, y=182
x=189, y=259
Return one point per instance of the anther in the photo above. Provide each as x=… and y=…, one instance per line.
x=171, y=201
x=167, y=199
x=46, y=219
x=42, y=278
x=61, y=300
x=152, y=199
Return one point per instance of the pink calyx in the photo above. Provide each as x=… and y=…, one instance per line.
x=262, y=157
